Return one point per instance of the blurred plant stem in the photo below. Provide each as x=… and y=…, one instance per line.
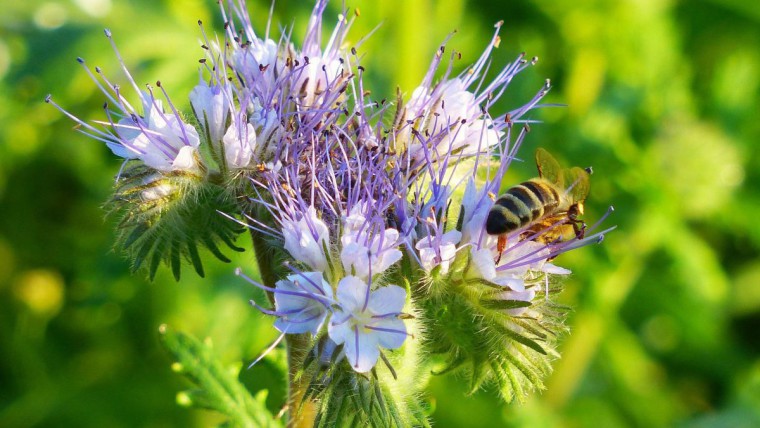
x=301, y=413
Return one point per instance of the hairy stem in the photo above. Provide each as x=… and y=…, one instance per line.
x=301, y=413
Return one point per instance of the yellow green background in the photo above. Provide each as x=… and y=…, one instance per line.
x=662, y=100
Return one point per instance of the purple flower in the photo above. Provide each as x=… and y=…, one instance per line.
x=366, y=321
x=453, y=114
x=239, y=143
x=162, y=141
x=438, y=251
x=306, y=238
x=525, y=261
x=211, y=106
x=475, y=204
x=158, y=138
x=367, y=248
x=301, y=303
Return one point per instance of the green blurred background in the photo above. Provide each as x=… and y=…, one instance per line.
x=662, y=100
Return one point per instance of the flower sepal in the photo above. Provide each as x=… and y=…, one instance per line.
x=495, y=334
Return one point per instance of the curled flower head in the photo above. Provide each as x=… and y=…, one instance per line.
x=366, y=321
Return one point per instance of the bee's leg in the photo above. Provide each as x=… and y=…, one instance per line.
x=501, y=245
x=579, y=227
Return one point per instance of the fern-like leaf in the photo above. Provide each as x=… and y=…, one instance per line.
x=217, y=388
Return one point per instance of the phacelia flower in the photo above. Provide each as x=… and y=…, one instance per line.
x=158, y=138
x=301, y=303
x=475, y=207
x=212, y=108
x=367, y=250
x=453, y=114
x=366, y=321
x=357, y=194
x=438, y=251
x=162, y=141
x=239, y=143
x=306, y=239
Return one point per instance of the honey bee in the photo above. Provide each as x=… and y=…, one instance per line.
x=542, y=206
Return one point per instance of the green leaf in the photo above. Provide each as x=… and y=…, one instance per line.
x=216, y=387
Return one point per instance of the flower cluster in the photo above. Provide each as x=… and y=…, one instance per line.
x=363, y=318
x=378, y=208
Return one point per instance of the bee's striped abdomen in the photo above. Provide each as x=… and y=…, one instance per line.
x=546, y=193
x=521, y=205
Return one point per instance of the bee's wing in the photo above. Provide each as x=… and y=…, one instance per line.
x=548, y=167
x=578, y=183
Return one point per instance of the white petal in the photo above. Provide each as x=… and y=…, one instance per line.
x=391, y=339
x=209, y=106
x=387, y=300
x=339, y=328
x=238, y=145
x=364, y=356
x=448, y=252
x=288, y=302
x=385, y=260
x=352, y=292
x=390, y=237
x=302, y=244
x=185, y=159
x=308, y=283
x=427, y=258
x=355, y=260
x=516, y=283
x=311, y=282
x=525, y=296
x=483, y=265
x=297, y=323
x=556, y=270
x=451, y=237
x=121, y=151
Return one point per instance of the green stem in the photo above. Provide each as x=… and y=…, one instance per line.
x=302, y=413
